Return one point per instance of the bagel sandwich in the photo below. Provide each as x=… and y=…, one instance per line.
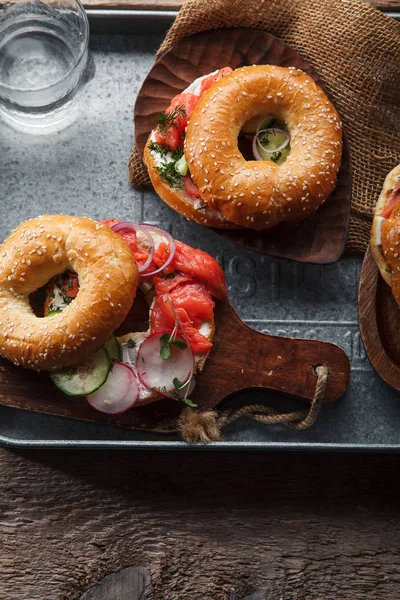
x=38, y=250
x=248, y=148
x=90, y=272
x=385, y=238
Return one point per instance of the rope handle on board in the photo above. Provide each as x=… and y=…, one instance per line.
x=206, y=427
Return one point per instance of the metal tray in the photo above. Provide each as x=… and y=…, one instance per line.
x=83, y=170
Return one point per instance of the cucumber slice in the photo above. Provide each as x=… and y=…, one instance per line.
x=284, y=154
x=85, y=378
x=278, y=157
x=113, y=348
x=181, y=166
x=273, y=144
x=272, y=140
x=53, y=312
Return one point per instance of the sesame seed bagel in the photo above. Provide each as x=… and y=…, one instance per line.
x=41, y=248
x=385, y=240
x=261, y=194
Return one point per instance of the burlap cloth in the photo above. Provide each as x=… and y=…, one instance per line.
x=356, y=51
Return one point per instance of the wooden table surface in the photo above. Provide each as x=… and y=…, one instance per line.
x=197, y=525
x=176, y=4
x=202, y=526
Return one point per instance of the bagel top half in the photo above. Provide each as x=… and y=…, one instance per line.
x=385, y=233
x=261, y=194
x=46, y=246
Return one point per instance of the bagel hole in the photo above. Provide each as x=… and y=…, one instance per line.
x=36, y=300
x=137, y=319
x=245, y=139
x=69, y=282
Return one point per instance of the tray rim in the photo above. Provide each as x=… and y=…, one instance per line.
x=171, y=14
x=90, y=444
x=160, y=445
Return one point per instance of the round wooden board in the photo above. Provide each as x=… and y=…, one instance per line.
x=321, y=238
x=379, y=319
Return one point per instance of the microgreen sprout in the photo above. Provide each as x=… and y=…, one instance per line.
x=179, y=386
x=167, y=120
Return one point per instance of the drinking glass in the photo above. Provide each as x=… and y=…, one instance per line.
x=43, y=56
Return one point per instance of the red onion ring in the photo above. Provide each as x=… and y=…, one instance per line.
x=128, y=226
x=256, y=154
x=172, y=247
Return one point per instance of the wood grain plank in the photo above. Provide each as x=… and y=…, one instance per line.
x=207, y=526
x=258, y=595
x=176, y=4
x=131, y=583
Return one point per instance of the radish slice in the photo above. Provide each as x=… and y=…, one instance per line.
x=158, y=374
x=132, y=394
x=118, y=393
x=160, y=235
x=143, y=238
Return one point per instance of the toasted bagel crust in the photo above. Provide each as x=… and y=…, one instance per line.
x=261, y=194
x=180, y=201
x=376, y=249
x=41, y=248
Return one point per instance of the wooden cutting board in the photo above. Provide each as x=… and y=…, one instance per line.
x=321, y=237
x=241, y=358
x=379, y=319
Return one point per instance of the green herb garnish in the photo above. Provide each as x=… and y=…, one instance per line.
x=165, y=352
x=177, y=153
x=164, y=339
x=161, y=149
x=177, y=384
x=169, y=175
x=275, y=156
x=189, y=402
x=167, y=120
x=179, y=344
x=165, y=342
